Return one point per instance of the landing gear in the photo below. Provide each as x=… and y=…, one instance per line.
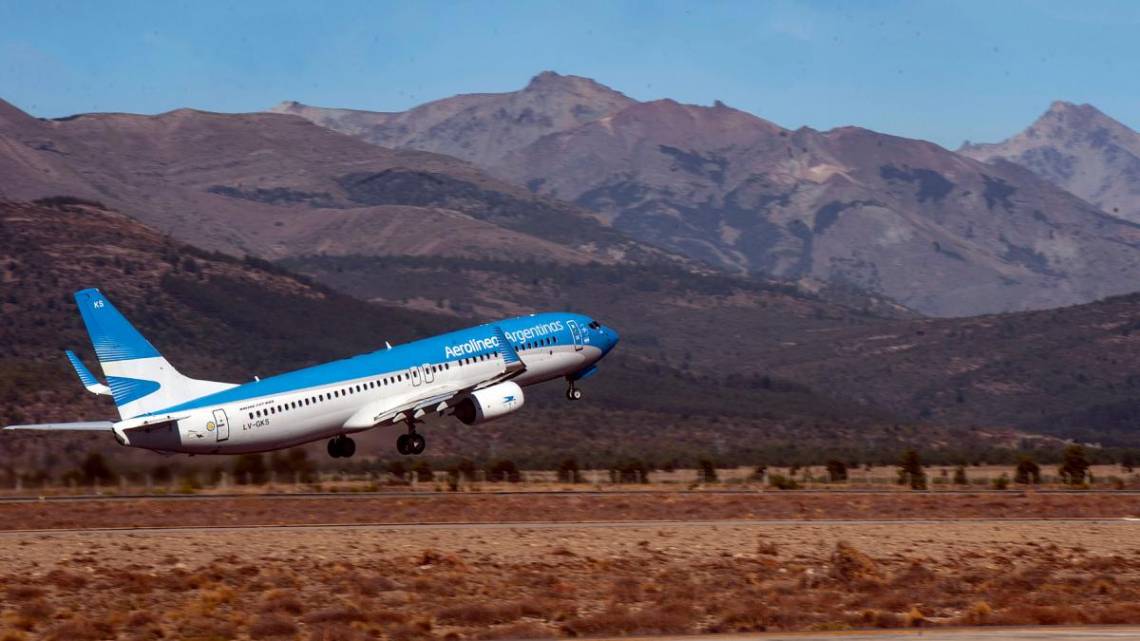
x=411, y=443
x=573, y=393
x=341, y=447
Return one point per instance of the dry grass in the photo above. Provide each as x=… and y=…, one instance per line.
x=405, y=585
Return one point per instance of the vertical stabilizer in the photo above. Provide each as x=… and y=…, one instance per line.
x=141, y=380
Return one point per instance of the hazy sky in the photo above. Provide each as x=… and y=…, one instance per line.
x=940, y=70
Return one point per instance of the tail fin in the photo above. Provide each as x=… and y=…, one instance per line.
x=141, y=380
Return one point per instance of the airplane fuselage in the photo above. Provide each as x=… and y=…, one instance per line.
x=340, y=397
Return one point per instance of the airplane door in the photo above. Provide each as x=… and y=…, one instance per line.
x=576, y=334
x=221, y=425
x=428, y=375
x=414, y=374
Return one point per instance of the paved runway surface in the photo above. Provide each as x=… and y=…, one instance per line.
x=1130, y=523
x=973, y=634
x=565, y=493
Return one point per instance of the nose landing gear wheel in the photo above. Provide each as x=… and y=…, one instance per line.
x=574, y=394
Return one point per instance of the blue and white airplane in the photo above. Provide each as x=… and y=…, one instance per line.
x=475, y=374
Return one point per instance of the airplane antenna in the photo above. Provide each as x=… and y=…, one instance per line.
x=387, y=344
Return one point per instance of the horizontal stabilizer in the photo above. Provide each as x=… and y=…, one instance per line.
x=82, y=426
x=86, y=377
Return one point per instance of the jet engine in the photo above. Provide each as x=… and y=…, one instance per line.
x=489, y=403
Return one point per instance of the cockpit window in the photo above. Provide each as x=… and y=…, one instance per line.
x=595, y=325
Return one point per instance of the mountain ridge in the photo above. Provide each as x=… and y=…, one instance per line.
x=940, y=232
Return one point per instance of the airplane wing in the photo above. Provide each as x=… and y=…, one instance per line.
x=86, y=377
x=435, y=399
x=82, y=426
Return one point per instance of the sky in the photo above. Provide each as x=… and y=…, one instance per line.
x=944, y=71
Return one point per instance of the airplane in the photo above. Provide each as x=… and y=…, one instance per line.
x=474, y=374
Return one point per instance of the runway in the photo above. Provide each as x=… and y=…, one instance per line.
x=588, y=525
x=1091, y=633
x=565, y=493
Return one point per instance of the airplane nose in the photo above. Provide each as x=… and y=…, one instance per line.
x=611, y=337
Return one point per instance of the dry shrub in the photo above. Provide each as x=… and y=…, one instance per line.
x=341, y=614
x=849, y=565
x=1039, y=615
x=621, y=621
x=336, y=632
x=205, y=627
x=767, y=548
x=65, y=580
x=139, y=618
x=915, y=618
x=272, y=626
x=1021, y=581
x=977, y=614
x=281, y=601
x=80, y=629
x=626, y=590
x=23, y=592
x=31, y=613
x=410, y=631
x=435, y=557
x=524, y=630
x=479, y=614
x=383, y=616
x=894, y=600
x=1118, y=614
x=744, y=617
x=548, y=609
x=373, y=585
x=436, y=586
x=883, y=619
x=914, y=575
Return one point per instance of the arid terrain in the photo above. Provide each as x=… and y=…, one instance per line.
x=474, y=566
x=567, y=507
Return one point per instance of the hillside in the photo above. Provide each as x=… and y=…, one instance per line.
x=228, y=319
x=275, y=185
x=1080, y=149
x=938, y=232
x=1068, y=372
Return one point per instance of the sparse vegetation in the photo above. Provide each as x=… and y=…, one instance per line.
x=911, y=472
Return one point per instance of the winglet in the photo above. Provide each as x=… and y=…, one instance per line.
x=510, y=356
x=85, y=376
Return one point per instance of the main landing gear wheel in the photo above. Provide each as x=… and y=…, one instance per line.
x=341, y=447
x=411, y=443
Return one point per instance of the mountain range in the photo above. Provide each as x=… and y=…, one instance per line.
x=697, y=253
x=274, y=186
x=937, y=231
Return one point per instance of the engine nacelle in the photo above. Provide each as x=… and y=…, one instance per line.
x=490, y=403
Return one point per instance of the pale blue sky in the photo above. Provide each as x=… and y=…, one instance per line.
x=940, y=70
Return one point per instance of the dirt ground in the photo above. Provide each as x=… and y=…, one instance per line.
x=474, y=507
x=493, y=581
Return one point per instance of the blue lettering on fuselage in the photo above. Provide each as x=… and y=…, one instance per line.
x=473, y=346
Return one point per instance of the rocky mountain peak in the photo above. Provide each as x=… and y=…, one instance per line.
x=1081, y=149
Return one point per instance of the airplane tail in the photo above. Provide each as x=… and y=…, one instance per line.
x=141, y=380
